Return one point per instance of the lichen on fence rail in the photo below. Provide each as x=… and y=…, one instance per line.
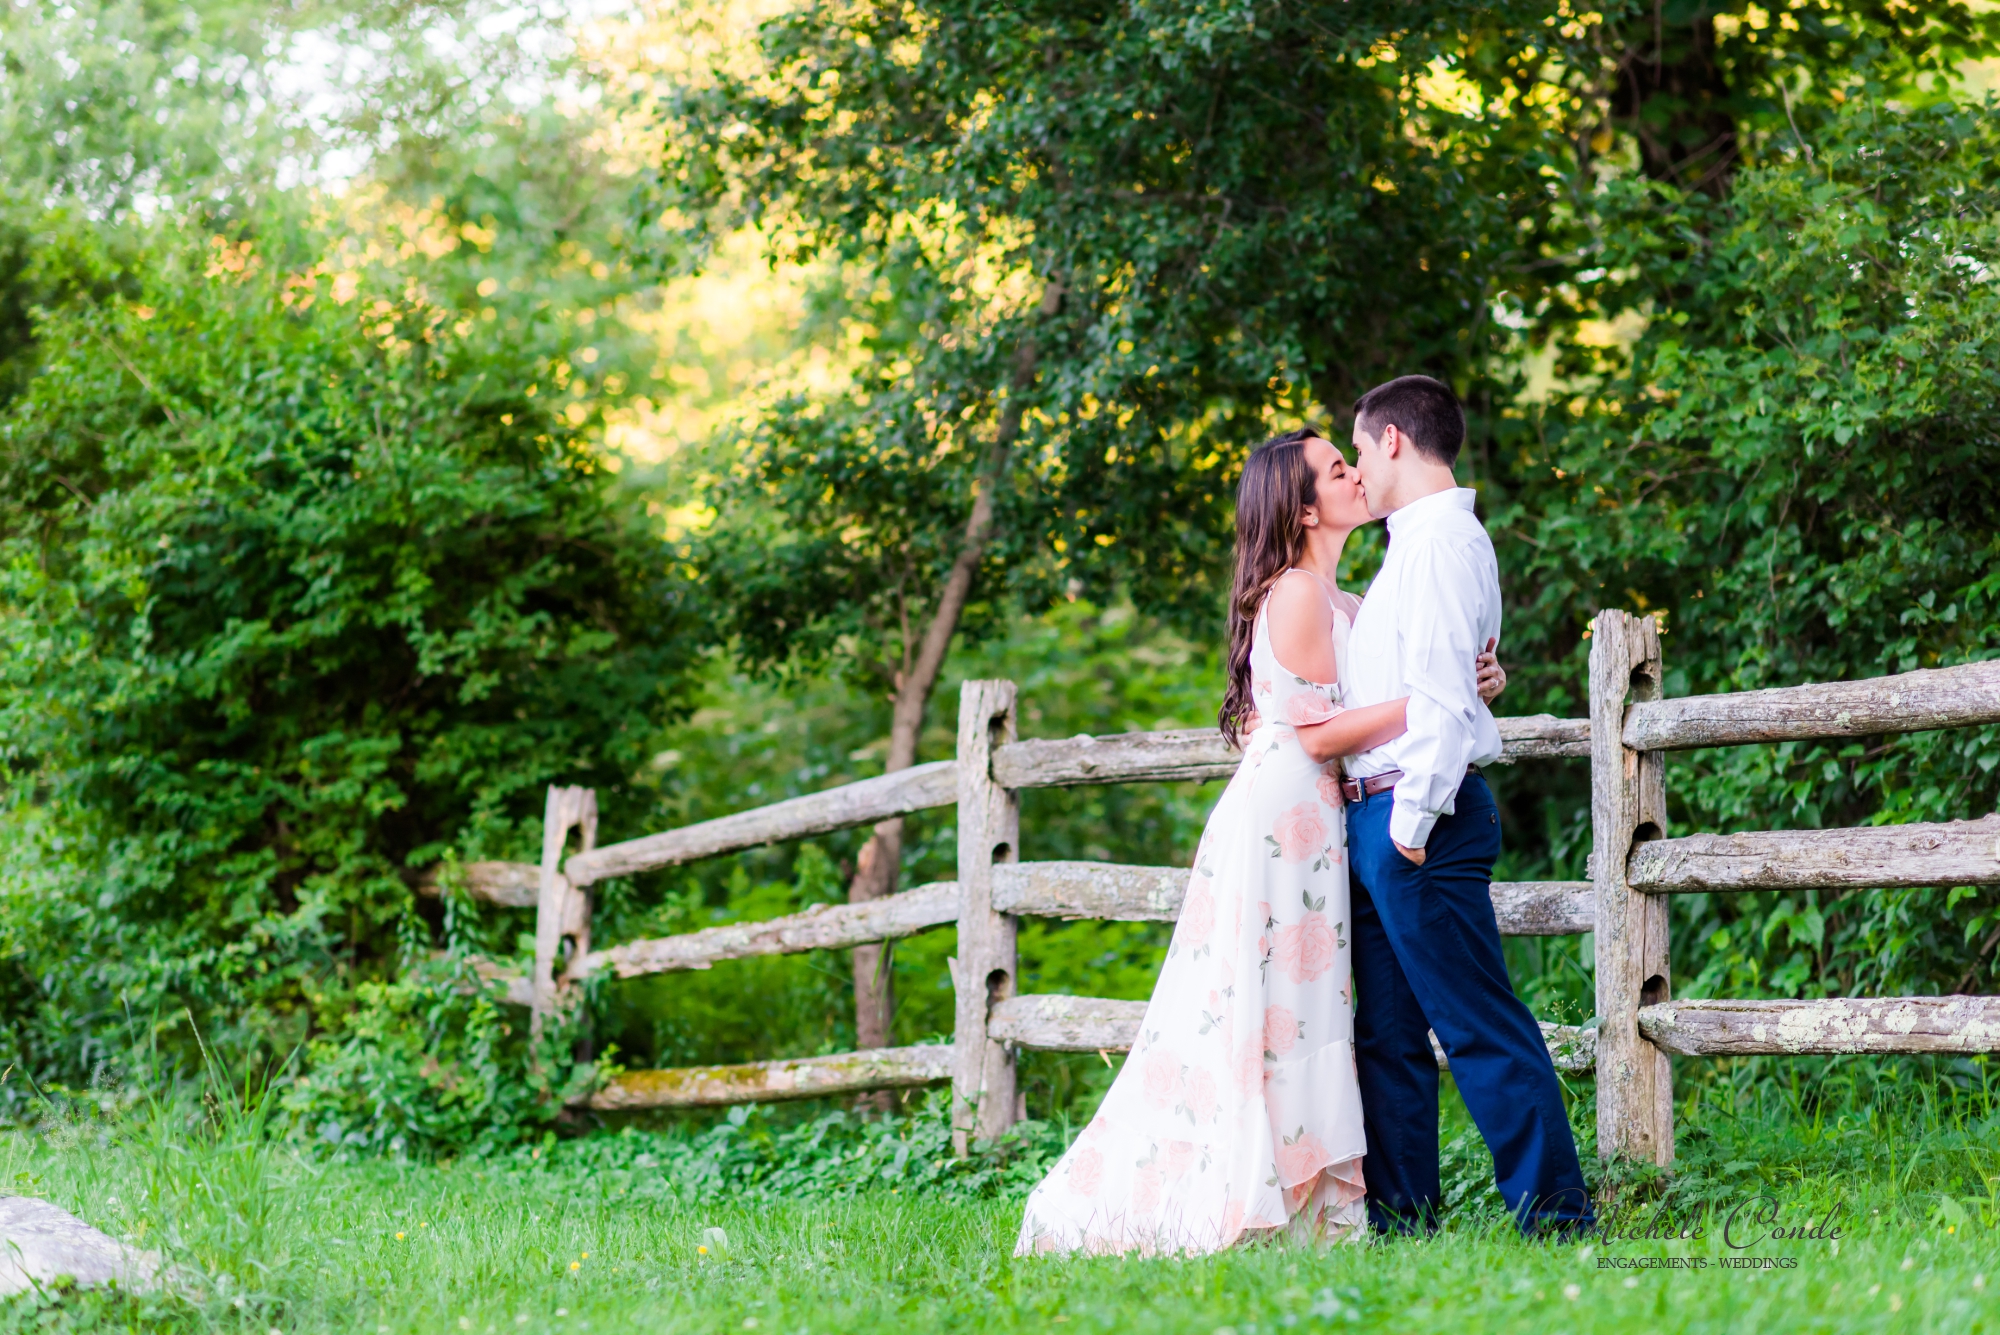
x=1828, y=1025
x=776, y=1081
x=1964, y=852
x=1955, y=697
x=514, y=885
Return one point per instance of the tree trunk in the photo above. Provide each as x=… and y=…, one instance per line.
x=880, y=865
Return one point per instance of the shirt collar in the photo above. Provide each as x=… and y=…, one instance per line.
x=1420, y=512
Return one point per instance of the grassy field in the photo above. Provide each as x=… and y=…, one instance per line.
x=565, y=1240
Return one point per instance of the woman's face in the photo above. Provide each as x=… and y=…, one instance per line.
x=1340, y=503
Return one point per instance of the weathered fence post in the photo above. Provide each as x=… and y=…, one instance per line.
x=1635, y=1098
x=989, y=832
x=561, y=909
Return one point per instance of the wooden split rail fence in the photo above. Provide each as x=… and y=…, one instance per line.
x=1634, y=866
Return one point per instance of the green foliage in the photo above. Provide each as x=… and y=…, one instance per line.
x=1210, y=192
x=1795, y=472
x=1695, y=90
x=307, y=576
x=752, y=1154
x=433, y=1061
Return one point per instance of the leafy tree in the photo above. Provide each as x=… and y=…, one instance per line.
x=309, y=575
x=1795, y=470
x=1094, y=249
x=1697, y=87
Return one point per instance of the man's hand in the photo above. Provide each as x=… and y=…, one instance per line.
x=1415, y=855
x=1492, y=677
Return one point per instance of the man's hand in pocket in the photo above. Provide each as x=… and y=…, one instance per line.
x=1415, y=855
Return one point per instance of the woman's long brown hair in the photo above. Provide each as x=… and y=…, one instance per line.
x=1271, y=498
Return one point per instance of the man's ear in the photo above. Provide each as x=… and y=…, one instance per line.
x=1391, y=439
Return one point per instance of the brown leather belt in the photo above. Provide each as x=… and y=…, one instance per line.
x=1356, y=789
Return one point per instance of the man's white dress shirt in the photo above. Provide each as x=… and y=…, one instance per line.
x=1426, y=618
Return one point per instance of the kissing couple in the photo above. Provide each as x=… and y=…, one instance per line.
x=1338, y=911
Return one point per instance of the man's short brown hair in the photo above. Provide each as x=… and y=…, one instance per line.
x=1423, y=409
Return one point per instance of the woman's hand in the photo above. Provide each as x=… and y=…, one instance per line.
x=1492, y=677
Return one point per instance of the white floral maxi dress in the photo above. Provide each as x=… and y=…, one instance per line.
x=1238, y=1107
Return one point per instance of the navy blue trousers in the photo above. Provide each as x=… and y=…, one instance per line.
x=1427, y=957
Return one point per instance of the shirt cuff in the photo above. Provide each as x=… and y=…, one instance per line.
x=1410, y=825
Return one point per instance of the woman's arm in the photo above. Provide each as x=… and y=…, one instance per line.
x=1353, y=731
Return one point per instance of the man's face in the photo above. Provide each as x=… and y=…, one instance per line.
x=1375, y=462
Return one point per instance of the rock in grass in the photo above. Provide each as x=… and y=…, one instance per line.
x=40, y=1243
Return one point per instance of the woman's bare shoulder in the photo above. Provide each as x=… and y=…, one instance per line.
x=1299, y=593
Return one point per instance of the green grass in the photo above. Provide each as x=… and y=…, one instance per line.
x=583, y=1237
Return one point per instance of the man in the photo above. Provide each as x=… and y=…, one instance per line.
x=1423, y=833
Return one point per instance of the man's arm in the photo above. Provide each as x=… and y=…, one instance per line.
x=1441, y=641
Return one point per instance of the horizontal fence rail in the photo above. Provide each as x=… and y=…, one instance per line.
x=918, y=788
x=1100, y=890
x=821, y=927
x=777, y=1081
x=1828, y=1027
x=1197, y=754
x=1953, y=697
x=1054, y=1022
x=1201, y=754
x=516, y=885
x=1878, y=856
x=1047, y=1022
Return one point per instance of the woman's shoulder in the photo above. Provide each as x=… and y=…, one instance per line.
x=1298, y=598
x=1296, y=583
x=1301, y=591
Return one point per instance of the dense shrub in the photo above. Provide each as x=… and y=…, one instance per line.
x=1796, y=471
x=308, y=577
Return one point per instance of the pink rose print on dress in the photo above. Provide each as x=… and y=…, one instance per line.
x=1162, y=1075
x=1180, y=1158
x=1232, y=1219
x=1306, y=948
x=1086, y=1170
x=1307, y=708
x=1147, y=1180
x=1299, y=833
x=1248, y=1069
x=1329, y=788
x=1281, y=1031
x=1197, y=914
x=1200, y=1097
x=1301, y=1157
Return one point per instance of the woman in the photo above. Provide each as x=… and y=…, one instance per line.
x=1238, y=1109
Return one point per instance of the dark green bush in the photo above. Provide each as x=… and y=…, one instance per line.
x=308, y=578
x=1797, y=471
